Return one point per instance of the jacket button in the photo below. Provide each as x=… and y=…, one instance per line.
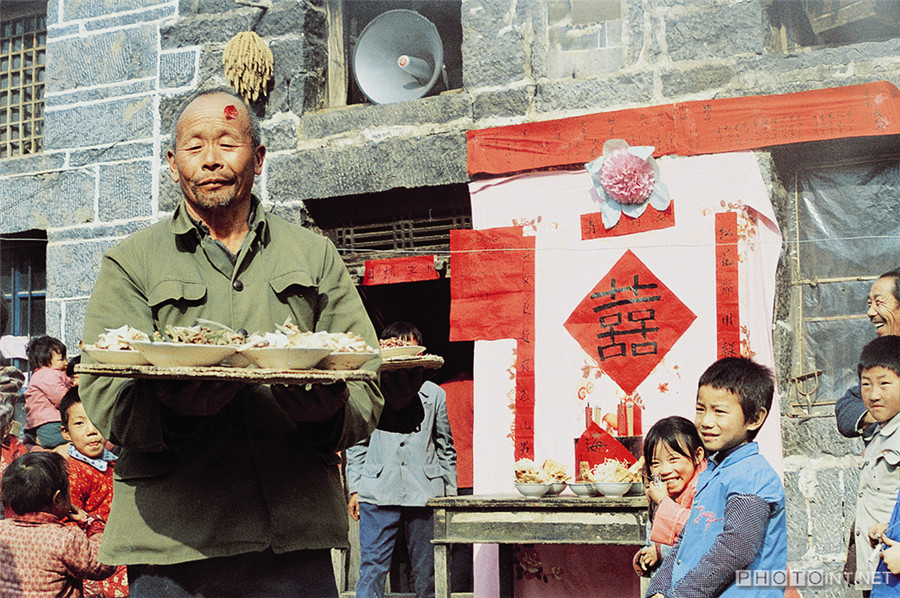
x=402, y=444
x=238, y=285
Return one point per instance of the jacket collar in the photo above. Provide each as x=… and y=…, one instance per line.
x=182, y=223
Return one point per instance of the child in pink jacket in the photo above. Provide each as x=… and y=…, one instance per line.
x=46, y=388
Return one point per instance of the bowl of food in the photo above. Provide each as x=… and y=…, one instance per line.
x=612, y=489
x=582, y=488
x=285, y=358
x=168, y=355
x=405, y=351
x=556, y=488
x=116, y=356
x=345, y=360
x=533, y=490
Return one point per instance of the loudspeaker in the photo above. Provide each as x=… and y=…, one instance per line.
x=398, y=57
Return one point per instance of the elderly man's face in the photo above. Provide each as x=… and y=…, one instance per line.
x=214, y=159
x=883, y=308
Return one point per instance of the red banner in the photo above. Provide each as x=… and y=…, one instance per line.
x=592, y=224
x=400, y=269
x=691, y=128
x=728, y=315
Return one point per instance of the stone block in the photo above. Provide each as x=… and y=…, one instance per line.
x=826, y=508
x=796, y=516
x=99, y=124
x=508, y=102
x=54, y=31
x=103, y=58
x=112, y=153
x=73, y=324
x=59, y=97
x=72, y=268
x=443, y=108
x=679, y=82
x=614, y=33
x=559, y=12
x=567, y=39
x=49, y=200
x=596, y=94
x=717, y=31
x=177, y=68
x=281, y=135
x=122, y=20
x=33, y=163
x=492, y=58
x=633, y=31
x=291, y=19
x=586, y=12
x=816, y=436
x=398, y=162
x=298, y=80
x=86, y=9
x=201, y=29
x=125, y=190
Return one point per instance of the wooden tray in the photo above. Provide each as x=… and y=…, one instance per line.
x=225, y=374
x=404, y=362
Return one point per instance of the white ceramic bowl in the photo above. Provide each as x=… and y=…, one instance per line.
x=285, y=358
x=345, y=361
x=533, y=490
x=117, y=357
x=582, y=488
x=612, y=489
x=556, y=487
x=168, y=355
x=402, y=351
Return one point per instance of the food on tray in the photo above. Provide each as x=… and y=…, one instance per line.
x=555, y=471
x=116, y=339
x=528, y=472
x=197, y=335
x=613, y=470
x=290, y=335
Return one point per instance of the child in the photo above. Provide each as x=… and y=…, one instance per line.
x=673, y=454
x=737, y=518
x=48, y=384
x=879, y=478
x=90, y=469
x=39, y=554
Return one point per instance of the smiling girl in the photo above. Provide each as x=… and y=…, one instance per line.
x=673, y=458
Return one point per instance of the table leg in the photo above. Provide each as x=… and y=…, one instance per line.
x=441, y=571
x=506, y=557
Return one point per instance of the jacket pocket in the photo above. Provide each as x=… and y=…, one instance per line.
x=434, y=470
x=372, y=471
x=169, y=291
x=280, y=283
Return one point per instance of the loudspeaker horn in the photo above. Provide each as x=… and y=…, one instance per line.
x=398, y=57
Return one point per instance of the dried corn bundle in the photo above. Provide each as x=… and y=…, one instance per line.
x=248, y=65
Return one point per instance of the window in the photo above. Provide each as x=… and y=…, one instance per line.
x=23, y=44
x=842, y=223
x=802, y=23
x=23, y=281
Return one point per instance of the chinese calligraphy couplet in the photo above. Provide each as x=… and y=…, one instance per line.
x=728, y=320
x=401, y=269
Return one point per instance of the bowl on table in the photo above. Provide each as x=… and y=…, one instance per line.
x=533, y=490
x=556, y=488
x=582, y=488
x=612, y=489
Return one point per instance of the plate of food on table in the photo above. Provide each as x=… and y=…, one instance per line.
x=534, y=481
x=398, y=354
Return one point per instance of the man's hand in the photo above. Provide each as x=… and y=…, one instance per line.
x=353, y=506
x=891, y=555
x=876, y=532
x=196, y=398
x=400, y=386
x=320, y=403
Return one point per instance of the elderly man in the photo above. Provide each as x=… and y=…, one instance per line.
x=226, y=488
x=884, y=312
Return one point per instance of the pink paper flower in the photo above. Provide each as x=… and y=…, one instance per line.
x=628, y=179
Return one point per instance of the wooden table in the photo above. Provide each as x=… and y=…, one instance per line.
x=508, y=519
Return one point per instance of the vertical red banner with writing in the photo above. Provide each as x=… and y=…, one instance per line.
x=728, y=320
x=492, y=297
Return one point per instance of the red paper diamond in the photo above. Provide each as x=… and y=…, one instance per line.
x=628, y=322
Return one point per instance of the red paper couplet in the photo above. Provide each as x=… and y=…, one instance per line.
x=691, y=128
x=401, y=269
x=592, y=224
x=728, y=315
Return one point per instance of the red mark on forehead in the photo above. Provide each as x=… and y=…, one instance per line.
x=230, y=112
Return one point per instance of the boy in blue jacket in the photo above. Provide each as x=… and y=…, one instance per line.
x=737, y=518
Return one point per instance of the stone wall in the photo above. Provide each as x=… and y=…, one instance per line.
x=118, y=69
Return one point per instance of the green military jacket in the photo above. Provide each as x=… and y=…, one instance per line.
x=249, y=477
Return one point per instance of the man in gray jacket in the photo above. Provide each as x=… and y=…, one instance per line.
x=391, y=477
